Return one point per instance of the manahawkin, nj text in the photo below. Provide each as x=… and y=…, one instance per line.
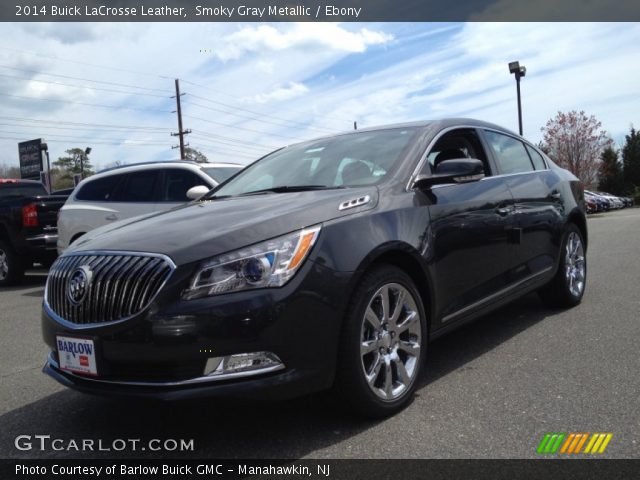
x=156, y=12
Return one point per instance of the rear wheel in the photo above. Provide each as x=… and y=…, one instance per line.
x=11, y=266
x=383, y=344
x=567, y=287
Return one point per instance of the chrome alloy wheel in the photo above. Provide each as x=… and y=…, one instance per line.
x=574, y=264
x=390, y=341
x=4, y=265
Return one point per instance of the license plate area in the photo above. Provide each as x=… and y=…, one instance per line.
x=77, y=355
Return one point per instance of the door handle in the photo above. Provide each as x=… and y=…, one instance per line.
x=110, y=217
x=504, y=211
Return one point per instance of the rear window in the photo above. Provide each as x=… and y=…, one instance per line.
x=99, y=189
x=536, y=158
x=8, y=191
x=221, y=174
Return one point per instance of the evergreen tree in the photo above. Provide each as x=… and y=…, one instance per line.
x=611, y=180
x=631, y=160
x=66, y=167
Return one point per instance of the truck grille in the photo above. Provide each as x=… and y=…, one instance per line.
x=109, y=286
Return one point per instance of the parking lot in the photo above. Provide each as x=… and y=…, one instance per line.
x=491, y=389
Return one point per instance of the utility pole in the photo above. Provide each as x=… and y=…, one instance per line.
x=181, y=133
x=355, y=125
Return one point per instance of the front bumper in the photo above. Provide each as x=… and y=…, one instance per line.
x=162, y=352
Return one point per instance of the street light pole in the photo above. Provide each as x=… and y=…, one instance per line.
x=519, y=71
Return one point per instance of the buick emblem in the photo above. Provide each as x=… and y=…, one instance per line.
x=78, y=284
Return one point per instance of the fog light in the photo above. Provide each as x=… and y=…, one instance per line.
x=256, y=362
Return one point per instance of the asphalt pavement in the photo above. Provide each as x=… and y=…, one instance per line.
x=490, y=390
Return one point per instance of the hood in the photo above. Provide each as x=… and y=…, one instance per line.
x=200, y=230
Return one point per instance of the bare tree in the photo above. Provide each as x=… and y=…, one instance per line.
x=575, y=141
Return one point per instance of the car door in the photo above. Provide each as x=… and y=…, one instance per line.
x=470, y=231
x=538, y=206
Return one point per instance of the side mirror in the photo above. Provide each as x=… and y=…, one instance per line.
x=196, y=192
x=459, y=170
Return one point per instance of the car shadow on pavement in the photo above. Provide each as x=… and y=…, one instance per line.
x=241, y=429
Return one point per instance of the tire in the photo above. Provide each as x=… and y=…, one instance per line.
x=11, y=266
x=395, y=344
x=568, y=286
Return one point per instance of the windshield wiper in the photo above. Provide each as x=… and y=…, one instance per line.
x=290, y=188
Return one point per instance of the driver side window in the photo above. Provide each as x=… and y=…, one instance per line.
x=461, y=143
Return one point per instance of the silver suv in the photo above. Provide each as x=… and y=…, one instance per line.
x=131, y=190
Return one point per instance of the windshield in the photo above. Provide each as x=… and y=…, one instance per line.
x=220, y=174
x=343, y=161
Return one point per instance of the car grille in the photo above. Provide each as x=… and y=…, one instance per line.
x=120, y=285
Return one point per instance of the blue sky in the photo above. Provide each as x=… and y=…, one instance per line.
x=252, y=87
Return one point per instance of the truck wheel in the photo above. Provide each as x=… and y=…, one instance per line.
x=11, y=266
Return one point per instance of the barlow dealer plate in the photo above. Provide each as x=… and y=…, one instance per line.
x=77, y=355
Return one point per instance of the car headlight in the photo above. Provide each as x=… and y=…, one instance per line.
x=268, y=264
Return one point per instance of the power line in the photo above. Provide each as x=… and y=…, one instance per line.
x=231, y=139
x=75, y=128
x=66, y=102
x=118, y=69
x=280, y=120
x=61, y=122
x=242, y=128
x=334, y=117
x=82, y=86
x=223, y=142
x=94, y=142
x=224, y=152
x=103, y=82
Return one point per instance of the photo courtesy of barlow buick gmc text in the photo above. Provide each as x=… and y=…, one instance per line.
x=293, y=240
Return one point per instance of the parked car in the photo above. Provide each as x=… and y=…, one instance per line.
x=601, y=204
x=330, y=263
x=131, y=190
x=604, y=202
x=28, y=230
x=616, y=202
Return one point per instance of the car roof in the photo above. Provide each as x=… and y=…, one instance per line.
x=169, y=163
x=438, y=124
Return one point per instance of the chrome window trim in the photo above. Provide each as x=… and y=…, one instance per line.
x=86, y=326
x=523, y=141
x=203, y=379
x=409, y=187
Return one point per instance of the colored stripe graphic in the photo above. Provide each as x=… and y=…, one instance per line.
x=572, y=443
x=598, y=443
x=550, y=443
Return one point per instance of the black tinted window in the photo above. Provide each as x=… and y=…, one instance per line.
x=176, y=184
x=536, y=158
x=99, y=189
x=510, y=153
x=138, y=187
x=20, y=191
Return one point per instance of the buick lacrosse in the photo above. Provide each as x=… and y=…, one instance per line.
x=327, y=264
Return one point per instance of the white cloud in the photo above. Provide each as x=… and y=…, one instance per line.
x=293, y=90
x=310, y=36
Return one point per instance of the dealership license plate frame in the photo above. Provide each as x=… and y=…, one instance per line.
x=95, y=356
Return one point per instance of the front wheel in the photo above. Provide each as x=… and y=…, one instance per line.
x=11, y=266
x=383, y=344
x=567, y=287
